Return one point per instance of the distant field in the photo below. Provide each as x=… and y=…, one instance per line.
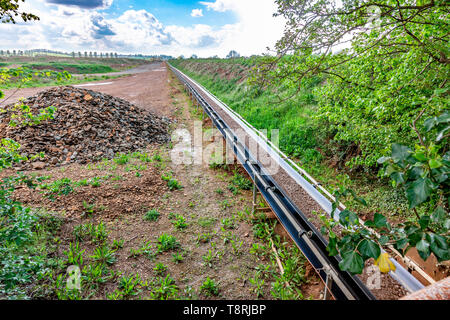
x=78, y=68
x=48, y=82
x=72, y=65
x=82, y=67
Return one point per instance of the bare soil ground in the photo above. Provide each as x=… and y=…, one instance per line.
x=217, y=239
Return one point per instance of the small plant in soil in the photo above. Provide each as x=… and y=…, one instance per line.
x=219, y=191
x=189, y=293
x=74, y=254
x=89, y=208
x=160, y=269
x=225, y=204
x=151, y=215
x=157, y=157
x=117, y=244
x=258, y=250
x=206, y=222
x=211, y=256
x=179, y=222
x=96, y=274
x=59, y=187
x=122, y=159
x=283, y=292
x=164, y=289
x=257, y=285
x=145, y=249
x=226, y=236
x=177, y=257
x=167, y=242
x=204, y=237
x=130, y=285
x=209, y=287
x=241, y=182
x=90, y=231
x=83, y=183
x=172, y=183
x=228, y=223
x=144, y=157
x=116, y=295
x=236, y=245
x=95, y=182
x=104, y=255
x=233, y=189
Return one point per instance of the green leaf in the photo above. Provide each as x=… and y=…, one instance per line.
x=441, y=133
x=331, y=248
x=423, y=248
x=383, y=160
x=418, y=191
x=420, y=156
x=433, y=163
x=400, y=152
x=443, y=118
x=415, y=237
x=398, y=177
x=380, y=221
x=447, y=224
x=370, y=224
x=424, y=221
x=430, y=123
x=369, y=249
x=415, y=173
x=438, y=215
x=352, y=262
x=383, y=240
x=400, y=244
x=439, y=247
x=348, y=218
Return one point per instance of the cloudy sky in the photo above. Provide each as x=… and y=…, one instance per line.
x=172, y=27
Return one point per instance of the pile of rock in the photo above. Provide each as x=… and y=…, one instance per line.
x=87, y=126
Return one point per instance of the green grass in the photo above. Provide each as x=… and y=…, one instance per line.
x=179, y=222
x=209, y=287
x=167, y=242
x=151, y=215
x=79, y=68
x=301, y=136
x=29, y=245
x=41, y=82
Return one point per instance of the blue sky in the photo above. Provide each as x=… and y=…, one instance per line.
x=174, y=12
x=173, y=27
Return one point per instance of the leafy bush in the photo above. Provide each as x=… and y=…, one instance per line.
x=423, y=175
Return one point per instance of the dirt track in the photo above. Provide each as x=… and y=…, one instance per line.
x=134, y=88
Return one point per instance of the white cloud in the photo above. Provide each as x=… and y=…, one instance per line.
x=256, y=28
x=197, y=13
x=221, y=5
x=76, y=28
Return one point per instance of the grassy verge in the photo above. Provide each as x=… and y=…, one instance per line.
x=40, y=82
x=301, y=135
x=79, y=68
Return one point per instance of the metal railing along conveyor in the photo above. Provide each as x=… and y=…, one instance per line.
x=341, y=284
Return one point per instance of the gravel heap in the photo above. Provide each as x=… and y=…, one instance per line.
x=87, y=126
